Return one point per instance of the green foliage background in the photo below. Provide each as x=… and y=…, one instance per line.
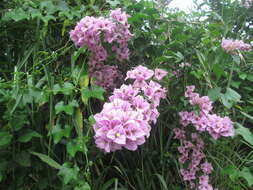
x=47, y=99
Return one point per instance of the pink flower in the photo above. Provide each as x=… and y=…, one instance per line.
x=231, y=45
x=207, y=168
x=125, y=121
x=159, y=74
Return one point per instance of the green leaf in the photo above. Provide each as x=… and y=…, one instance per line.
x=47, y=160
x=78, y=121
x=91, y=120
x=247, y=175
x=27, y=135
x=230, y=97
x=250, y=78
x=231, y=171
x=66, y=89
x=162, y=181
x=68, y=109
x=82, y=186
x=244, y=132
x=77, y=145
x=58, y=132
x=93, y=92
x=214, y=93
x=248, y=116
x=16, y=15
x=69, y=174
x=5, y=138
x=243, y=76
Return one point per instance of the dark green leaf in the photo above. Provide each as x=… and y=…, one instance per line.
x=27, y=135
x=5, y=138
x=47, y=160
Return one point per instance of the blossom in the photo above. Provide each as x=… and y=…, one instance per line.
x=215, y=125
x=125, y=121
x=232, y=45
x=159, y=74
x=197, y=169
x=93, y=33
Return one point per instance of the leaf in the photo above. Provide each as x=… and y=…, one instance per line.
x=244, y=132
x=83, y=186
x=234, y=174
x=84, y=81
x=78, y=121
x=162, y=181
x=5, y=138
x=68, y=109
x=243, y=76
x=69, y=174
x=58, y=132
x=47, y=160
x=27, y=135
x=93, y=92
x=214, y=93
x=76, y=145
x=230, y=97
x=247, y=175
x=248, y=116
x=16, y=15
x=66, y=89
x=91, y=120
x=250, y=78
x=231, y=171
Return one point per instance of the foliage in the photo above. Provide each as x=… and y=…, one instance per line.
x=48, y=98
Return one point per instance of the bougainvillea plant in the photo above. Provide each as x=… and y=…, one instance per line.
x=126, y=119
x=94, y=33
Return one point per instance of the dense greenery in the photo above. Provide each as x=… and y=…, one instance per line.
x=48, y=100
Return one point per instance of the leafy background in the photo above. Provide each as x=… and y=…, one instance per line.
x=47, y=98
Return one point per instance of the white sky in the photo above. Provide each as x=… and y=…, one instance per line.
x=185, y=5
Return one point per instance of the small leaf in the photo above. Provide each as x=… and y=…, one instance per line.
x=77, y=145
x=47, y=160
x=84, y=81
x=69, y=174
x=243, y=76
x=244, y=132
x=58, y=132
x=247, y=175
x=250, y=78
x=248, y=116
x=214, y=93
x=93, y=92
x=5, y=138
x=68, y=109
x=27, y=135
x=82, y=186
x=78, y=119
x=66, y=89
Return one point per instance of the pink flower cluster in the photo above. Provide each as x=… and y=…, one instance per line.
x=231, y=46
x=125, y=121
x=192, y=156
x=215, y=125
x=196, y=168
x=93, y=33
